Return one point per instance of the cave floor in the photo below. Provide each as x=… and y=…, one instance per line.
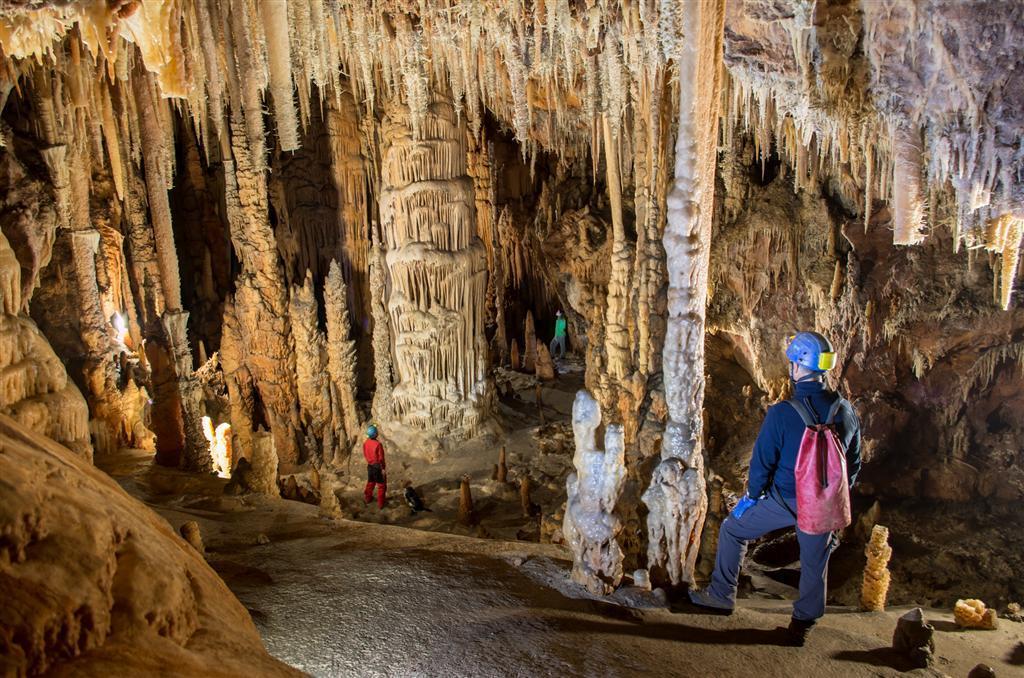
x=346, y=598
x=538, y=442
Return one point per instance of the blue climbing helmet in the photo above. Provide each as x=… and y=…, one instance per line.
x=371, y=432
x=811, y=350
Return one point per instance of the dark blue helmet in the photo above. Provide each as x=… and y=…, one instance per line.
x=372, y=431
x=811, y=350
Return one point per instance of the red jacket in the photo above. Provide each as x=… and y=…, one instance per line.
x=373, y=451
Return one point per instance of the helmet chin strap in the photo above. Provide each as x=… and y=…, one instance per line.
x=810, y=376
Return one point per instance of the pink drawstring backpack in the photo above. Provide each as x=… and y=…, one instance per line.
x=822, y=485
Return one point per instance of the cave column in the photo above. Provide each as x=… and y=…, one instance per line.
x=266, y=356
x=170, y=335
x=438, y=271
x=677, y=496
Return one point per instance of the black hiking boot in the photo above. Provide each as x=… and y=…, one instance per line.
x=798, y=631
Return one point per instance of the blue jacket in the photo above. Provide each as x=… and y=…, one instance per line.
x=774, y=459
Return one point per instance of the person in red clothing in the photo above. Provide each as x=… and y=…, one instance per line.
x=376, y=469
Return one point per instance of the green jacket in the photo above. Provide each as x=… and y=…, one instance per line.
x=560, y=326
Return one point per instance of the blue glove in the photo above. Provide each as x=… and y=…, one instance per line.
x=742, y=505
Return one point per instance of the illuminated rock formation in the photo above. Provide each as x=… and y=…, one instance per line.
x=973, y=614
x=591, y=525
x=876, y=574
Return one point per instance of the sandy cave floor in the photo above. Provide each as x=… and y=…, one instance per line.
x=346, y=598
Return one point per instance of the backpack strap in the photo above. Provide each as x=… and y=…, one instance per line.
x=834, y=410
x=810, y=421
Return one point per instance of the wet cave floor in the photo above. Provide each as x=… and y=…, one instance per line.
x=346, y=598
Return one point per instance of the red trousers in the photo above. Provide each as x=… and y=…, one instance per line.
x=381, y=491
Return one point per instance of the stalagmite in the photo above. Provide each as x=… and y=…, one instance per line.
x=676, y=498
x=876, y=572
x=502, y=475
x=530, y=344
x=341, y=358
x=438, y=271
x=591, y=525
x=515, y=361
x=190, y=532
x=545, y=365
x=467, y=516
x=311, y=361
x=526, y=497
x=913, y=638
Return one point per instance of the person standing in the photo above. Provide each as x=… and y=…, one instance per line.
x=376, y=468
x=559, y=340
x=771, y=500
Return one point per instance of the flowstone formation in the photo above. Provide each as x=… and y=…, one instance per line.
x=437, y=268
x=591, y=526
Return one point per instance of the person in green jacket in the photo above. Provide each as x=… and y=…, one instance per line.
x=559, y=340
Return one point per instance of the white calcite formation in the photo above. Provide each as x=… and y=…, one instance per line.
x=590, y=525
x=438, y=271
x=676, y=498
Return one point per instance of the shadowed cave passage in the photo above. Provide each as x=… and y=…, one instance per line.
x=236, y=234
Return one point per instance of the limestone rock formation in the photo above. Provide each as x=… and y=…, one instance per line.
x=94, y=582
x=973, y=614
x=545, y=367
x=437, y=267
x=591, y=526
x=190, y=533
x=913, y=638
x=259, y=472
x=35, y=389
x=876, y=572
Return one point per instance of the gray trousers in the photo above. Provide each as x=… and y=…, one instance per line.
x=773, y=512
x=558, y=341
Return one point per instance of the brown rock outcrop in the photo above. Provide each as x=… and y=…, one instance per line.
x=93, y=582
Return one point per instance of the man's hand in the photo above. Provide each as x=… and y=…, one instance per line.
x=742, y=505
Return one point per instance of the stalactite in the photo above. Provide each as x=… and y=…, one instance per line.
x=341, y=359
x=674, y=530
x=908, y=198
x=275, y=23
x=1005, y=235
x=153, y=152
